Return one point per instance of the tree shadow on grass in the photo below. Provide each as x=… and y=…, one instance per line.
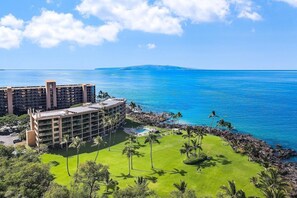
x=124, y=176
x=54, y=163
x=153, y=179
x=213, y=161
x=177, y=171
x=159, y=172
x=119, y=137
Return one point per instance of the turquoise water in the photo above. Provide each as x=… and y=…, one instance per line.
x=262, y=103
x=140, y=130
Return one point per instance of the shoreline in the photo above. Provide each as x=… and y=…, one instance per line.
x=257, y=150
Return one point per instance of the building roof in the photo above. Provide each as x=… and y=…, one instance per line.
x=79, y=110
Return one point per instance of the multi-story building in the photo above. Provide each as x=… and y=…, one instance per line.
x=86, y=122
x=17, y=100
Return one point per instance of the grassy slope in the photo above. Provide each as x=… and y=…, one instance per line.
x=226, y=165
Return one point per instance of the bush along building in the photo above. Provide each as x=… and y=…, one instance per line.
x=86, y=122
x=17, y=100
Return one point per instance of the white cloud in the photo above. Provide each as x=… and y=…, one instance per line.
x=151, y=46
x=133, y=15
x=12, y=22
x=51, y=28
x=198, y=10
x=290, y=2
x=10, y=33
x=246, y=9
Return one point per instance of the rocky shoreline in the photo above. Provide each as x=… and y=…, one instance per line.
x=257, y=150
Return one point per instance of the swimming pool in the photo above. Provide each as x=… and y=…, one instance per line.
x=141, y=130
x=137, y=131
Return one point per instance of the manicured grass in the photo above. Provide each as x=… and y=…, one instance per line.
x=225, y=165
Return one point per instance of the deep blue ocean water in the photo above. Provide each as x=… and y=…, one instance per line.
x=262, y=103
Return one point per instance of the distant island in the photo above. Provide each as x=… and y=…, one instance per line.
x=147, y=67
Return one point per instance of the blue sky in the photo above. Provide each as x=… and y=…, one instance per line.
x=204, y=34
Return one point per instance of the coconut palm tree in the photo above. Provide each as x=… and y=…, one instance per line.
x=109, y=183
x=132, y=105
x=132, y=139
x=141, y=182
x=232, y=192
x=151, y=138
x=129, y=151
x=213, y=116
x=200, y=135
x=107, y=123
x=189, y=134
x=186, y=149
x=196, y=146
x=177, y=116
x=77, y=143
x=66, y=141
x=98, y=141
x=223, y=123
x=271, y=183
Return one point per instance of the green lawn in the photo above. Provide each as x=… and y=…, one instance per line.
x=225, y=165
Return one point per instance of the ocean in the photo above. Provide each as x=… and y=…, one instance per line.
x=261, y=103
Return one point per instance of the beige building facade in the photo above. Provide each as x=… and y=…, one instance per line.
x=85, y=121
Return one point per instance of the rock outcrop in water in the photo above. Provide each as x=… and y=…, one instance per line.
x=257, y=150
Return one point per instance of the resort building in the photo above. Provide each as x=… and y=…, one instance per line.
x=17, y=100
x=86, y=122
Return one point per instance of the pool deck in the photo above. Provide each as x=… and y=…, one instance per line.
x=132, y=131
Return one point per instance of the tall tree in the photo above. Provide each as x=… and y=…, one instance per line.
x=196, y=146
x=177, y=116
x=232, y=192
x=271, y=183
x=182, y=191
x=186, y=149
x=132, y=139
x=151, y=138
x=189, y=134
x=213, y=116
x=90, y=175
x=66, y=142
x=128, y=150
x=77, y=143
x=98, y=141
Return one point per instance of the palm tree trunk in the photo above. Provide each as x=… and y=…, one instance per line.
x=129, y=164
x=97, y=155
x=77, y=159
x=132, y=162
x=67, y=161
x=152, y=165
x=109, y=140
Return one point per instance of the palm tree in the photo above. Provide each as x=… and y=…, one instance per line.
x=129, y=151
x=141, y=182
x=232, y=192
x=98, y=141
x=131, y=140
x=181, y=187
x=107, y=122
x=132, y=105
x=66, y=141
x=270, y=182
x=114, y=121
x=109, y=183
x=177, y=116
x=186, y=149
x=195, y=146
x=212, y=115
x=151, y=138
x=200, y=134
x=77, y=143
x=189, y=134
x=223, y=123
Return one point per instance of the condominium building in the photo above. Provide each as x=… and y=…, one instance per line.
x=86, y=122
x=17, y=100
